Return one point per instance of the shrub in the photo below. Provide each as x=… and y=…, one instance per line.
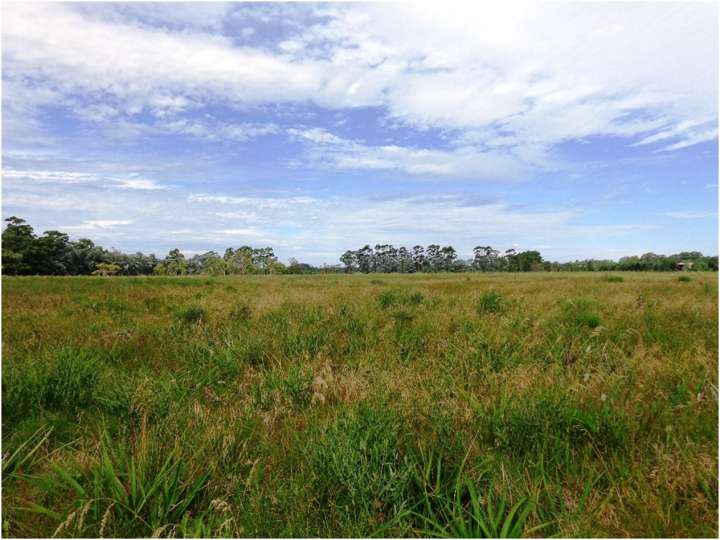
x=684, y=278
x=613, y=279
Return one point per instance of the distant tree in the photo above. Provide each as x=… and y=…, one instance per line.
x=84, y=256
x=404, y=260
x=485, y=259
x=433, y=258
x=17, y=239
x=365, y=259
x=448, y=256
x=175, y=263
x=50, y=254
x=510, y=262
x=528, y=261
x=418, y=257
x=349, y=259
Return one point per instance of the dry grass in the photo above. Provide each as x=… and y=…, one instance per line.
x=594, y=401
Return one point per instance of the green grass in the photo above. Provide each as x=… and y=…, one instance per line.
x=571, y=405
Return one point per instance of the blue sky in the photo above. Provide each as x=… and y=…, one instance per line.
x=581, y=130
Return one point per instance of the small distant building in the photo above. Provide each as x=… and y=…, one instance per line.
x=682, y=266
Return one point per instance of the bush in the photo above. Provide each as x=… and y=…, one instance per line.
x=684, y=278
x=613, y=279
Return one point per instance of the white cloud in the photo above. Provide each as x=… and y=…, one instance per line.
x=71, y=177
x=524, y=76
x=692, y=139
x=139, y=183
x=689, y=214
x=247, y=231
x=95, y=224
x=326, y=149
x=253, y=202
x=59, y=177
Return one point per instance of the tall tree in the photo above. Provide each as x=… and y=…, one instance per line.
x=175, y=263
x=17, y=239
x=418, y=257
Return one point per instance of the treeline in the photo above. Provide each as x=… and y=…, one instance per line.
x=436, y=258
x=25, y=253
x=53, y=253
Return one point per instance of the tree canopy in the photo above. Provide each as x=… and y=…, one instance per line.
x=53, y=253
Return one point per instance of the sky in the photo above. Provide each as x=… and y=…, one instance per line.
x=577, y=129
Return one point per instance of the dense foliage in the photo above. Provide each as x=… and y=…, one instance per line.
x=434, y=258
x=53, y=253
x=25, y=253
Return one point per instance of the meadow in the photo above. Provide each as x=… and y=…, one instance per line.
x=534, y=404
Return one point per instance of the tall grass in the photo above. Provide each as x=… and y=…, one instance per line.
x=569, y=405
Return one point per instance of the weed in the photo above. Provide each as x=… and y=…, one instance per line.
x=555, y=425
x=333, y=406
x=406, y=298
x=489, y=302
x=241, y=312
x=295, y=389
x=192, y=315
x=65, y=381
x=358, y=464
x=387, y=299
x=580, y=313
x=137, y=491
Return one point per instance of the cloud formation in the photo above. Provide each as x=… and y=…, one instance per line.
x=314, y=127
x=517, y=77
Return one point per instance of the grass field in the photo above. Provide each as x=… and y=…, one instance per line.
x=334, y=405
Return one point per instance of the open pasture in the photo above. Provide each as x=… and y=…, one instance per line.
x=354, y=405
